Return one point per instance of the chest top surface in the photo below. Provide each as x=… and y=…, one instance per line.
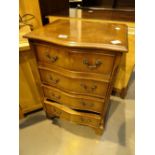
x=81, y=33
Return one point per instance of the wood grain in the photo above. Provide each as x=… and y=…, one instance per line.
x=66, y=113
x=88, y=60
x=112, y=36
x=74, y=101
x=29, y=97
x=81, y=86
x=108, y=16
x=72, y=89
x=100, y=14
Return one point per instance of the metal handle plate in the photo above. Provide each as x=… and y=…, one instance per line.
x=52, y=58
x=54, y=97
x=87, y=88
x=52, y=80
x=97, y=64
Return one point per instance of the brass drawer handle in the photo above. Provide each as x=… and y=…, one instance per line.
x=97, y=64
x=53, y=81
x=52, y=58
x=54, y=96
x=89, y=88
x=87, y=104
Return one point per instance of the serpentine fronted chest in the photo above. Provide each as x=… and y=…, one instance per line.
x=76, y=63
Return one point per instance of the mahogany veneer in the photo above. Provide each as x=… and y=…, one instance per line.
x=77, y=67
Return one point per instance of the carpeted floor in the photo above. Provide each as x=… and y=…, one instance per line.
x=40, y=136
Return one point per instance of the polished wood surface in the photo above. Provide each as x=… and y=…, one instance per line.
x=21, y=114
x=127, y=65
x=66, y=113
x=89, y=61
x=113, y=15
x=73, y=101
x=29, y=97
x=108, y=14
x=23, y=42
x=112, y=36
x=77, y=80
x=82, y=86
x=94, y=17
x=75, y=74
x=128, y=59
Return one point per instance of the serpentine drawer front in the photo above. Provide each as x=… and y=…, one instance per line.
x=72, y=115
x=81, y=86
x=77, y=64
x=77, y=60
x=74, y=101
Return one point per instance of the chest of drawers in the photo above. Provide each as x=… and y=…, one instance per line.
x=77, y=62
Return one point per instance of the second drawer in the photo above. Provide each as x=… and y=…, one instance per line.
x=74, y=101
x=74, y=84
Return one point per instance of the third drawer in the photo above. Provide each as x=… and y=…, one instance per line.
x=80, y=102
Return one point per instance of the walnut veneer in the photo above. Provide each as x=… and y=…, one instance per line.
x=77, y=68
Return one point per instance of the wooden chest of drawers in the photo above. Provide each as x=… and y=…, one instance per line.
x=76, y=68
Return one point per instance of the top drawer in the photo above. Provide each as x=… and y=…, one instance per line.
x=75, y=59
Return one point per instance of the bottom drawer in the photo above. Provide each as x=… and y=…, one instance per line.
x=53, y=108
